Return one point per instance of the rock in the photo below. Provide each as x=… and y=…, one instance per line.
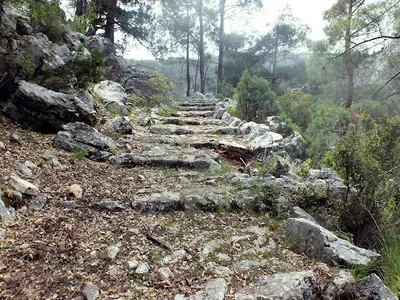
x=269, y=141
x=25, y=171
x=110, y=253
x=119, y=125
x=218, y=270
x=6, y=213
x=162, y=202
x=238, y=238
x=215, y=289
x=52, y=159
x=76, y=191
x=342, y=286
x=23, y=186
x=113, y=96
x=23, y=28
x=46, y=110
x=81, y=136
x=210, y=247
x=300, y=213
x=247, y=264
x=337, y=189
x=170, y=158
x=30, y=165
x=3, y=233
x=286, y=286
x=39, y=202
x=167, y=130
x=318, y=242
x=131, y=264
x=91, y=291
x=2, y=146
x=143, y=268
x=222, y=257
x=371, y=287
x=15, y=138
x=108, y=204
x=165, y=274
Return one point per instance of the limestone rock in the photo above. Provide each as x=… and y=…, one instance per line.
x=318, y=242
x=76, y=191
x=371, y=287
x=119, y=125
x=215, y=289
x=342, y=286
x=91, y=291
x=6, y=213
x=81, y=136
x=23, y=186
x=38, y=202
x=165, y=273
x=131, y=264
x=113, y=96
x=2, y=147
x=24, y=170
x=143, y=268
x=46, y=110
x=110, y=253
x=163, y=202
x=286, y=286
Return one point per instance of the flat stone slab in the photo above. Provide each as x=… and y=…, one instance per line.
x=178, y=121
x=286, y=286
x=170, y=158
x=197, y=108
x=196, y=114
x=317, y=242
x=198, y=103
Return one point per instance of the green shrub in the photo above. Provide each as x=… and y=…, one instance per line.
x=255, y=100
x=80, y=153
x=296, y=106
x=48, y=17
x=158, y=81
x=88, y=69
x=28, y=66
x=328, y=123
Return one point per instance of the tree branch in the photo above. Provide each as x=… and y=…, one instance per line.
x=386, y=83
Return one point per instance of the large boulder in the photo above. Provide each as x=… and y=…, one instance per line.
x=113, y=96
x=80, y=136
x=286, y=286
x=371, y=287
x=46, y=110
x=317, y=242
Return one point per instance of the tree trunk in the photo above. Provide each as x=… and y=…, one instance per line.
x=197, y=75
x=188, y=63
x=110, y=20
x=348, y=61
x=79, y=7
x=275, y=58
x=201, y=49
x=221, y=45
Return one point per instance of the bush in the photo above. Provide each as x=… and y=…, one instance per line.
x=255, y=100
x=327, y=124
x=158, y=81
x=297, y=107
x=88, y=69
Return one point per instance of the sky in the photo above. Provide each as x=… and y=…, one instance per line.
x=307, y=11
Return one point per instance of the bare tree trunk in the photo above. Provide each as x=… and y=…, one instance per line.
x=275, y=61
x=188, y=63
x=348, y=61
x=197, y=75
x=221, y=46
x=110, y=21
x=201, y=48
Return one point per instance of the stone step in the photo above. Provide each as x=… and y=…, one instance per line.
x=169, y=158
x=195, y=108
x=197, y=103
x=196, y=114
x=177, y=121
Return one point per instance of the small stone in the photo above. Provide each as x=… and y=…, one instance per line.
x=75, y=190
x=215, y=289
x=30, y=165
x=24, y=170
x=131, y=264
x=209, y=248
x=48, y=155
x=218, y=270
x=91, y=291
x=2, y=146
x=110, y=253
x=15, y=138
x=39, y=202
x=113, y=271
x=222, y=257
x=23, y=186
x=180, y=297
x=238, y=238
x=143, y=268
x=3, y=233
x=165, y=274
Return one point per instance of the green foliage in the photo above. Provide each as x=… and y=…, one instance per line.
x=80, y=153
x=303, y=169
x=328, y=122
x=296, y=106
x=391, y=264
x=88, y=68
x=255, y=100
x=48, y=17
x=158, y=81
x=28, y=66
x=84, y=23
